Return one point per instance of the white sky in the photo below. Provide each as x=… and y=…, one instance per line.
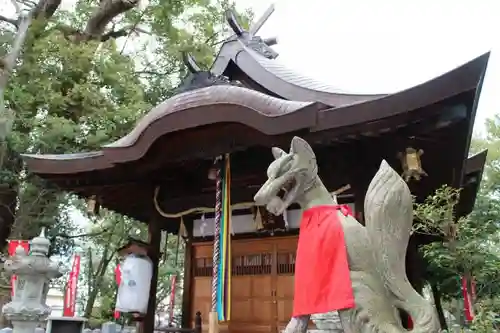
x=385, y=45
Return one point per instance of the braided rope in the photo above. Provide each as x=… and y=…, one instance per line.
x=216, y=250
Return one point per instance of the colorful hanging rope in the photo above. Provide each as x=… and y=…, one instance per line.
x=224, y=269
x=216, y=251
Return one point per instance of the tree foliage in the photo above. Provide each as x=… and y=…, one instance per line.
x=469, y=245
x=82, y=77
x=98, y=284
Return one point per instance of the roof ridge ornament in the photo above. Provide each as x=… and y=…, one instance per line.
x=250, y=38
x=190, y=63
x=255, y=27
x=198, y=78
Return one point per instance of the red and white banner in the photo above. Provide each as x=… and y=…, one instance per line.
x=13, y=244
x=468, y=303
x=173, y=282
x=71, y=289
x=118, y=278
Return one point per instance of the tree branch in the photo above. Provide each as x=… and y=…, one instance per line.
x=7, y=64
x=44, y=9
x=104, y=14
x=114, y=34
x=9, y=20
x=16, y=6
x=28, y=3
x=91, y=234
x=122, y=33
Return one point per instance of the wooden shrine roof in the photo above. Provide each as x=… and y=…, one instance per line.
x=246, y=103
x=267, y=116
x=250, y=59
x=474, y=168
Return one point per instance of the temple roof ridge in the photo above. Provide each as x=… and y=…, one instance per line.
x=303, y=80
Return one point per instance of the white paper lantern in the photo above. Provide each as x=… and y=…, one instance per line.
x=133, y=292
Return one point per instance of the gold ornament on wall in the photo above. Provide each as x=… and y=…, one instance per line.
x=411, y=163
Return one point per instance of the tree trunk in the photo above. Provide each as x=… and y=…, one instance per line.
x=439, y=307
x=97, y=280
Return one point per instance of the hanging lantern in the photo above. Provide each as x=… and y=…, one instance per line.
x=136, y=274
x=411, y=164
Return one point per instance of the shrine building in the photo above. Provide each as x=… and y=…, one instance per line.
x=246, y=103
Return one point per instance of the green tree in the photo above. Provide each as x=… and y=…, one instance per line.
x=81, y=78
x=111, y=231
x=85, y=76
x=470, y=245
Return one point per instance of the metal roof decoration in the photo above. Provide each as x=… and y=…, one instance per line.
x=198, y=78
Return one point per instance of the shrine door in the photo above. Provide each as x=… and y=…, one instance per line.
x=262, y=283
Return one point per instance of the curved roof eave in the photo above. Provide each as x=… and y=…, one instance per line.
x=280, y=80
x=266, y=114
x=205, y=106
x=467, y=77
x=476, y=162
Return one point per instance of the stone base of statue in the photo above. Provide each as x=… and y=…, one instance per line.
x=326, y=322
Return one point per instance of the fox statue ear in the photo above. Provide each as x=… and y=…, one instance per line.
x=306, y=155
x=300, y=147
x=278, y=152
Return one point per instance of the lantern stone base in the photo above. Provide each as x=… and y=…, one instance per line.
x=24, y=326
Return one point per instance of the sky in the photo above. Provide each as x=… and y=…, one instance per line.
x=385, y=46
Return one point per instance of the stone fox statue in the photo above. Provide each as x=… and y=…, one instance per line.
x=342, y=265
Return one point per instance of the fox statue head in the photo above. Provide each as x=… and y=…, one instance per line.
x=290, y=176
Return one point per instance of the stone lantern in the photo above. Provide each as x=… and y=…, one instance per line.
x=33, y=273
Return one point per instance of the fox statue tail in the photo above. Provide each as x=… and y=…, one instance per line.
x=388, y=220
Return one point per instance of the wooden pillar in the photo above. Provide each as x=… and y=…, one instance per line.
x=187, y=295
x=154, y=230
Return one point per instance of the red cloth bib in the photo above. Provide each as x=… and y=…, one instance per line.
x=322, y=278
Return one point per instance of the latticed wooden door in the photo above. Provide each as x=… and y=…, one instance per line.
x=262, y=283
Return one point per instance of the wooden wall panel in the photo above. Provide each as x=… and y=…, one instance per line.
x=262, y=283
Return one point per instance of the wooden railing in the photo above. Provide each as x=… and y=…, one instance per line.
x=197, y=327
